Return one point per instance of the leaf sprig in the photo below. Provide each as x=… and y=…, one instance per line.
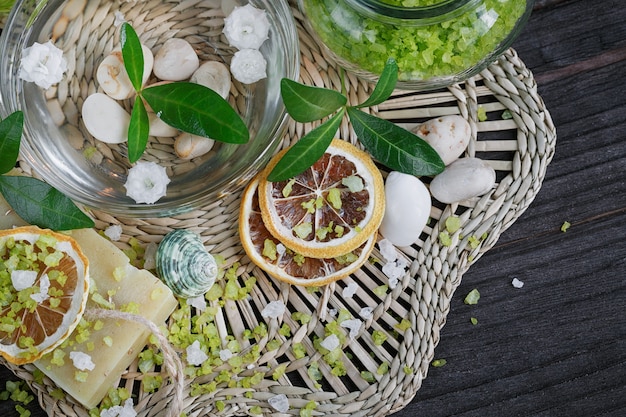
x=391, y=145
x=189, y=107
x=33, y=200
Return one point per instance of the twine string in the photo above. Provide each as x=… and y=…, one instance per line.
x=171, y=361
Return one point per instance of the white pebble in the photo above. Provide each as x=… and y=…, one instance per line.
x=82, y=361
x=105, y=119
x=189, y=146
x=159, y=128
x=273, y=310
x=331, y=342
x=407, y=209
x=448, y=135
x=175, y=61
x=350, y=290
x=279, y=402
x=463, y=179
x=213, y=75
x=517, y=283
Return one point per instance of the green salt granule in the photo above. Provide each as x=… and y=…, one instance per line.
x=422, y=52
x=472, y=297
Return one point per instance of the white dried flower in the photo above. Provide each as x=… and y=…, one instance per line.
x=146, y=182
x=42, y=64
x=82, y=361
x=246, y=27
x=248, y=66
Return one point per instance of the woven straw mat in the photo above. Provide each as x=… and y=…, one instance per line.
x=517, y=139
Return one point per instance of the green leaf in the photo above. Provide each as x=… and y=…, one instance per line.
x=306, y=103
x=132, y=54
x=307, y=151
x=196, y=109
x=385, y=85
x=395, y=147
x=138, y=131
x=42, y=205
x=10, y=137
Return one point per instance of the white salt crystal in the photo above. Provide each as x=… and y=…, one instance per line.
x=82, y=361
x=354, y=325
x=517, y=283
x=197, y=302
x=331, y=342
x=149, y=256
x=279, y=402
x=280, y=249
x=226, y=354
x=332, y=312
x=350, y=290
x=387, y=250
x=118, y=411
x=195, y=355
x=273, y=310
x=113, y=232
x=119, y=18
x=44, y=286
x=366, y=312
x=23, y=279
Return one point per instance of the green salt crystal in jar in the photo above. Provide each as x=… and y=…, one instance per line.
x=435, y=42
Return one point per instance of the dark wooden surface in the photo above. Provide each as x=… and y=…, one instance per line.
x=557, y=346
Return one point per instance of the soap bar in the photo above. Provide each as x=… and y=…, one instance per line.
x=120, y=283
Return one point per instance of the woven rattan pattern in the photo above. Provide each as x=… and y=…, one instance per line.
x=519, y=146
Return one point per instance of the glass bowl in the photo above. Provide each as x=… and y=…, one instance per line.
x=56, y=143
x=436, y=43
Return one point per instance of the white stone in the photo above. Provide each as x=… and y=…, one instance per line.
x=517, y=283
x=113, y=78
x=463, y=179
x=407, y=209
x=159, y=128
x=213, y=75
x=176, y=60
x=105, y=119
x=448, y=135
x=189, y=146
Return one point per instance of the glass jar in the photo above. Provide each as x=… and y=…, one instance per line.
x=435, y=42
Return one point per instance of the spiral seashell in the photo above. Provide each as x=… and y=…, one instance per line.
x=184, y=265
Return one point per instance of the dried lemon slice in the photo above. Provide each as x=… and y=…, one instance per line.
x=44, y=287
x=273, y=257
x=329, y=210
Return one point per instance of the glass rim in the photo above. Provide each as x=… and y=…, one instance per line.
x=444, y=9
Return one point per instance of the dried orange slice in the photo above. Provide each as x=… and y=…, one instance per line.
x=44, y=286
x=281, y=262
x=329, y=210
